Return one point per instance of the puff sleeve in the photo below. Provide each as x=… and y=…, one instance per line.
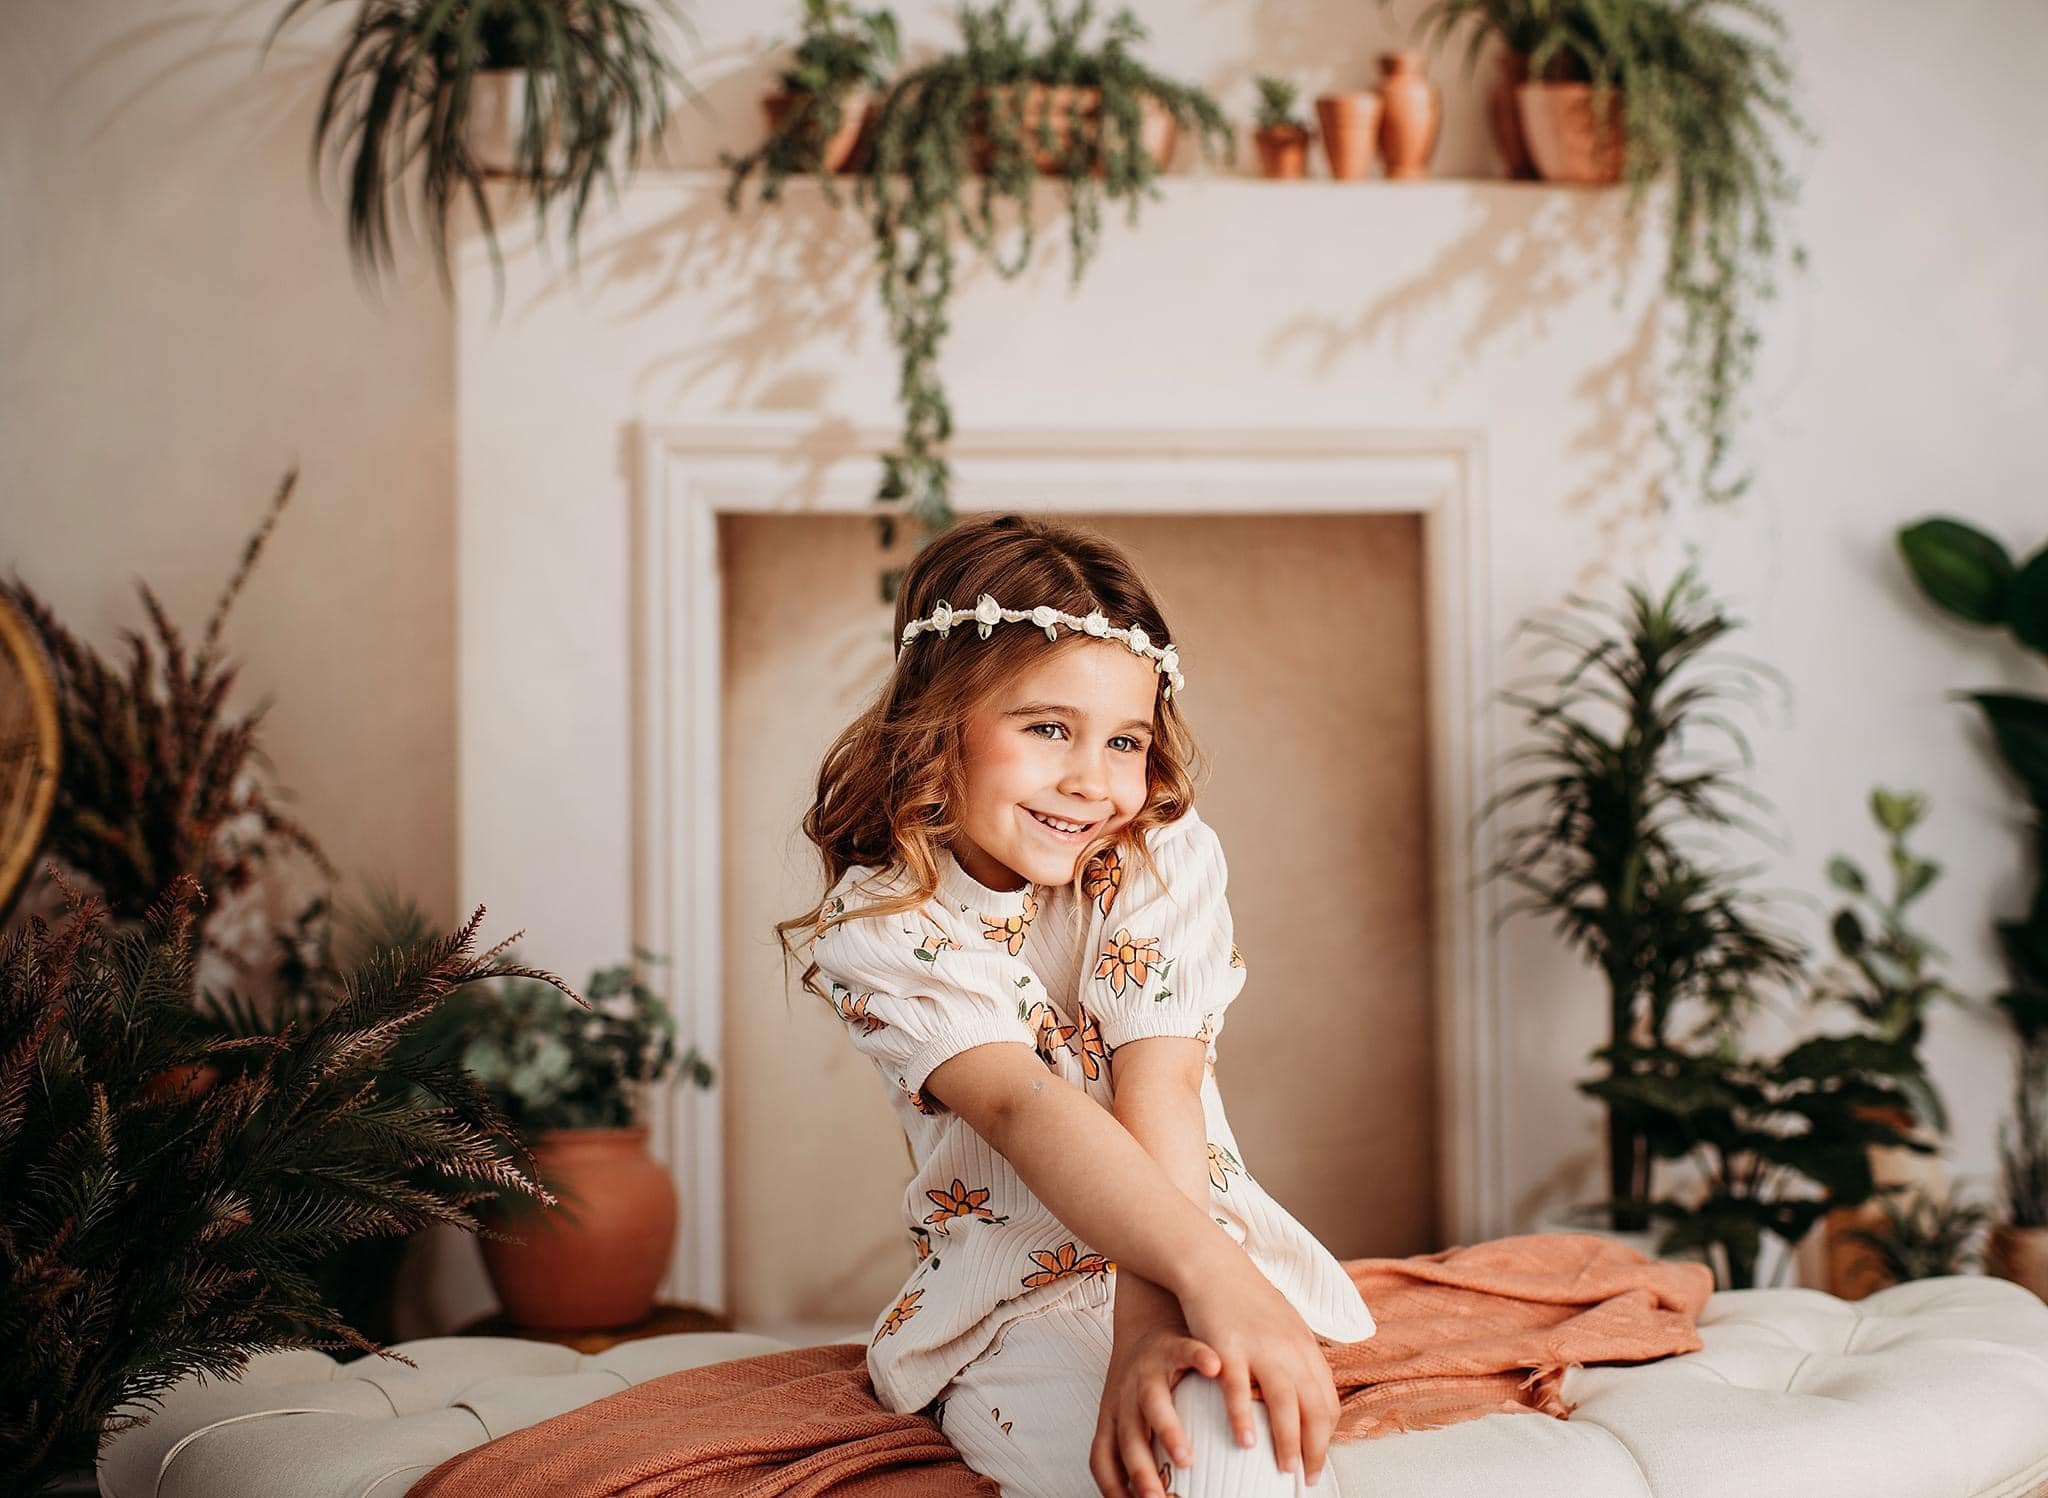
x=1168, y=964
x=912, y=995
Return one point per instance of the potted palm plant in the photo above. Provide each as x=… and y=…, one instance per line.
x=1701, y=92
x=816, y=116
x=544, y=93
x=1971, y=577
x=959, y=145
x=153, y=1233
x=1606, y=852
x=572, y=1082
x=1282, y=133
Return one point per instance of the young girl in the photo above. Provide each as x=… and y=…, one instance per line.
x=1025, y=928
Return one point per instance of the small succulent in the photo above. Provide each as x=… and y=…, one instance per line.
x=1279, y=104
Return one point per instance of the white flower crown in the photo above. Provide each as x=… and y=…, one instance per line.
x=987, y=614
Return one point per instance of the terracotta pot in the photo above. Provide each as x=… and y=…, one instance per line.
x=497, y=112
x=2019, y=1255
x=1060, y=107
x=1283, y=150
x=1351, y=128
x=1410, y=114
x=864, y=142
x=1507, y=118
x=839, y=148
x=1565, y=140
x=181, y=1081
x=595, y=1260
x=1855, y=1269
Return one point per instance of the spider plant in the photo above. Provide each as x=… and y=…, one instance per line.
x=407, y=85
x=1925, y=1237
x=843, y=51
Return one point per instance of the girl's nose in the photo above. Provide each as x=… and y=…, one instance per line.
x=1087, y=777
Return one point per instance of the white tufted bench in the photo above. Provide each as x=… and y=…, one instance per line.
x=1935, y=1389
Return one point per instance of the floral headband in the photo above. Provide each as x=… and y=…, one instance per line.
x=987, y=614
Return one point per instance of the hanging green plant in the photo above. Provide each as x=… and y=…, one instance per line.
x=429, y=79
x=844, y=56
x=959, y=144
x=1703, y=90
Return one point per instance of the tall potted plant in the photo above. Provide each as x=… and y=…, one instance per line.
x=1605, y=853
x=153, y=1233
x=1697, y=91
x=959, y=145
x=544, y=93
x=816, y=115
x=572, y=1083
x=1970, y=576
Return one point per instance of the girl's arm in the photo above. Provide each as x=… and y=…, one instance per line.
x=1087, y=1169
x=1157, y=1097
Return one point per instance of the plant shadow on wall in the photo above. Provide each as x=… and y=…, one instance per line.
x=1531, y=256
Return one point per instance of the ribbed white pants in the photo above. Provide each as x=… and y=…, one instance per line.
x=1024, y=1413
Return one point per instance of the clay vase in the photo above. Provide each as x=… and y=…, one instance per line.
x=1283, y=150
x=864, y=141
x=1351, y=129
x=595, y=1260
x=836, y=150
x=1507, y=117
x=1566, y=141
x=2019, y=1255
x=1410, y=114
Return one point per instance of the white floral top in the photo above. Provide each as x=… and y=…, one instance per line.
x=975, y=965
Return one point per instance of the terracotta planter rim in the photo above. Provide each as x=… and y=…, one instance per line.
x=1281, y=132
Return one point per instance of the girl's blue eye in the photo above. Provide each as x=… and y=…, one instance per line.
x=1136, y=746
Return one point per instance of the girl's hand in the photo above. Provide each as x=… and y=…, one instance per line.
x=1261, y=1338
x=1137, y=1400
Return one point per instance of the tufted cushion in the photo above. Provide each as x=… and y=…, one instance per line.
x=1933, y=1389
x=1936, y=1389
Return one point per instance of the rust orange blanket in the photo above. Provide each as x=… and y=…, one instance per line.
x=1466, y=1332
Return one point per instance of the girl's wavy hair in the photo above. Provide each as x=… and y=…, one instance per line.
x=891, y=785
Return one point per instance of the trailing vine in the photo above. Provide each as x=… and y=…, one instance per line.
x=958, y=149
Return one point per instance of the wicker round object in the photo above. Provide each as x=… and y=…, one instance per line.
x=29, y=746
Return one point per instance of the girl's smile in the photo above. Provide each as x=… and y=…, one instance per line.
x=1066, y=742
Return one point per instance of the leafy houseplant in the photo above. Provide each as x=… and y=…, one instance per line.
x=963, y=137
x=1603, y=853
x=1971, y=577
x=1883, y=973
x=158, y=780
x=1282, y=133
x=1702, y=89
x=148, y=1233
x=1759, y=1126
x=570, y=1082
x=419, y=78
x=815, y=118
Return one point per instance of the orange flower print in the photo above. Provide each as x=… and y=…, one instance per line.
x=1208, y=1031
x=997, y=1416
x=1056, y=1264
x=1087, y=1045
x=917, y=1101
x=923, y=1240
x=855, y=1012
x=1104, y=877
x=1127, y=959
x=1222, y=1165
x=1044, y=1021
x=1236, y=957
x=1009, y=932
x=960, y=1202
x=893, y=1323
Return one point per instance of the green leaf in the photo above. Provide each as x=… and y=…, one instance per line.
x=2027, y=603
x=1844, y=875
x=1848, y=933
x=2020, y=727
x=1962, y=571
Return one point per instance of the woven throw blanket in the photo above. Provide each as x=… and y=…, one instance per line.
x=1466, y=1332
